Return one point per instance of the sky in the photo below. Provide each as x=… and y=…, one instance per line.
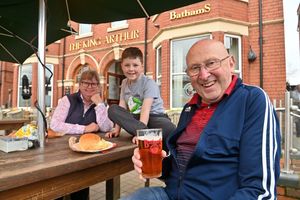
x=292, y=52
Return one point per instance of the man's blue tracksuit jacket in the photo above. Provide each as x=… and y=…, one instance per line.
x=237, y=155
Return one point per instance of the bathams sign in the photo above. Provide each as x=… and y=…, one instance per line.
x=189, y=13
x=109, y=39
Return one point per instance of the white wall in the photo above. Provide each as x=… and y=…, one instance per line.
x=291, y=35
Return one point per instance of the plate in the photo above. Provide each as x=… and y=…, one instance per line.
x=75, y=146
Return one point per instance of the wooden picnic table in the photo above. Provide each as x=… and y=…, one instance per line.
x=12, y=124
x=56, y=170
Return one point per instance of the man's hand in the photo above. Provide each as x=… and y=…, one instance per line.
x=134, y=140
x=92, y=127
x=112, y=133
x=136, y=159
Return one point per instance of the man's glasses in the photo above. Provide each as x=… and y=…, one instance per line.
x=209, y=66
x=88, y=84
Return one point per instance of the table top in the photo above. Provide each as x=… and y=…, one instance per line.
x=55, y=159
x=13, y=121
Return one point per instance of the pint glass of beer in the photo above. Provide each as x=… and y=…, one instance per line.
x=150, y=146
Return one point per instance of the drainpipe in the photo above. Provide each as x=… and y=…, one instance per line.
x=260, y=45
x=145, y=45
x=63, y=70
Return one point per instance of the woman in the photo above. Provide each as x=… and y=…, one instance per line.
x=82, y=112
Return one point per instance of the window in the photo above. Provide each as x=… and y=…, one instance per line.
x=181, y=88
x=118, y=25
x=48, y=86
x=85, y=30
x=82, y=69
x=158, y=67
x=233, y=45
x=24, y=70
x=114, y=77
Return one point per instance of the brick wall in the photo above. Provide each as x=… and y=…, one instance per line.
x=6, y=82
x=273, y=43
x=288, y=188
x=288, y=193
x=165, y=84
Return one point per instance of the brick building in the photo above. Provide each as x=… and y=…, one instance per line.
x=164, y=39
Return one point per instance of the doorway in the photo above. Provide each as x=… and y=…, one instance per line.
x=114, y=80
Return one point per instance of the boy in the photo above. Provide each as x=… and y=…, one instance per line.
x=140, y=105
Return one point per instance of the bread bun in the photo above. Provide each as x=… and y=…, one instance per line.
x=91, y=141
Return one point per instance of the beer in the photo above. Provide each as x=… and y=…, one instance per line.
x=150, y=147
x=150, y=151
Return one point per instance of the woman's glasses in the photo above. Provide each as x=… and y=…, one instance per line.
x=88, y=84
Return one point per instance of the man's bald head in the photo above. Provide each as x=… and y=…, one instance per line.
x=208, y=45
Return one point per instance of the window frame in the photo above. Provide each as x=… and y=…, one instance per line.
x=182, y=73
x=239, y=59
x=84, y=34
x=118, y=25
x=20, y=84
x=158, y=66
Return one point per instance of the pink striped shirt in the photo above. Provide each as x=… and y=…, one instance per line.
x=61, y=112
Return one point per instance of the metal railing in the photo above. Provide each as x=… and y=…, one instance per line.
x=289, y=110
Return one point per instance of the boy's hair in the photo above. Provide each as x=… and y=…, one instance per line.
x=89, y=75
x=132, y=52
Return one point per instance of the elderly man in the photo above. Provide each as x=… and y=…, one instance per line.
x=227, y=143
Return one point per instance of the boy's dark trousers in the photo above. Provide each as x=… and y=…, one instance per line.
x=131, y=123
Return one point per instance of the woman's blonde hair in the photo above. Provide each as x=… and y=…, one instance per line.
x=89, y=75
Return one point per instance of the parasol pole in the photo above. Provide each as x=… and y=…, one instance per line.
x=41, y=72
x=144, y=10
